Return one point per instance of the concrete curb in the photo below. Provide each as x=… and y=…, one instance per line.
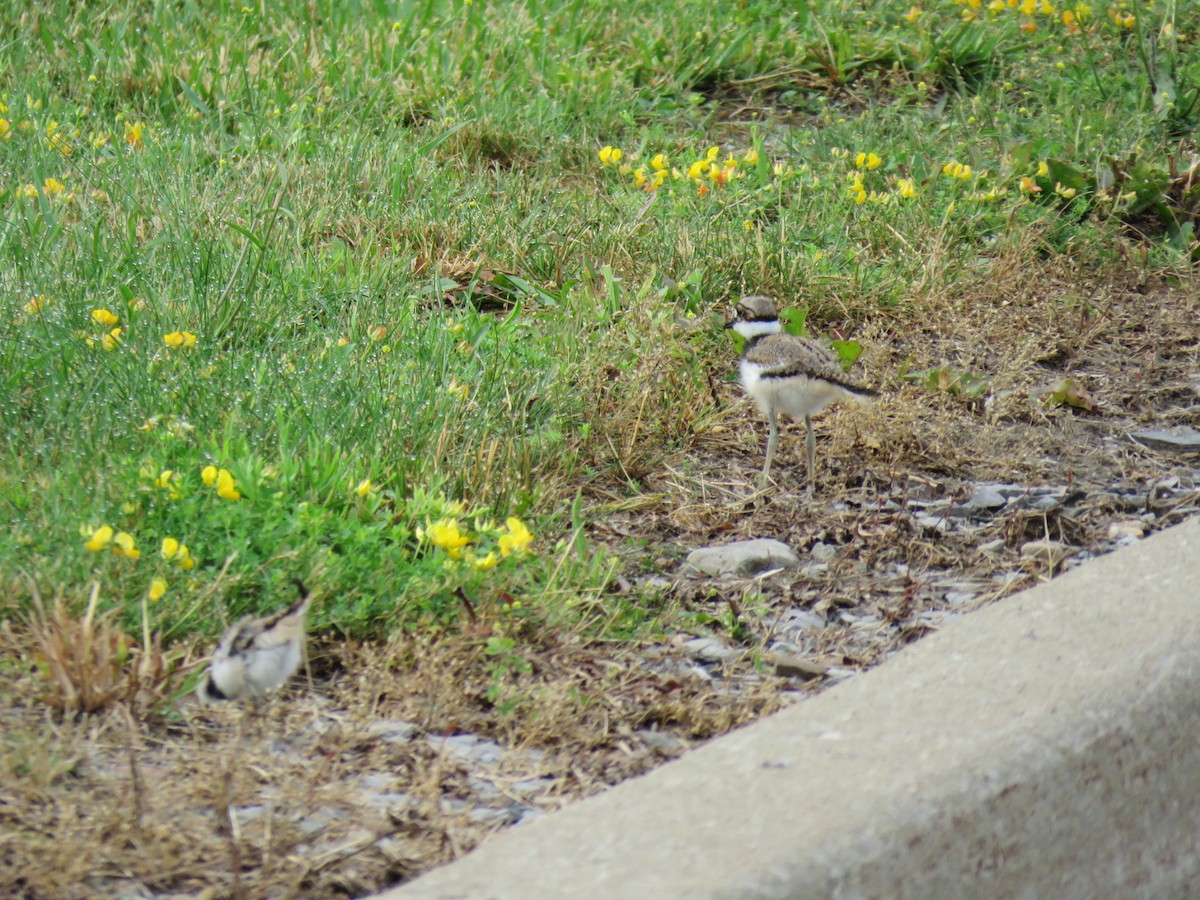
x=1045, y=746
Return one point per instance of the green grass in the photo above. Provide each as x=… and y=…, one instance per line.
x=389, y=228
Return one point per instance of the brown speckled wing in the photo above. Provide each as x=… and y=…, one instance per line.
x=787, y=355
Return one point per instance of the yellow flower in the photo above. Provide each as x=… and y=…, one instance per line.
x=639, y=176
x=208, y=475
x=957, y=170
x=485, y=562
x=5, y=129
x=712, y=154
x=173, y=550
x=112, y=340
x=104, y=318
x=133, y=134
x=166, y=480
x=1028, y=7
x=659, y=163
x=461, y=391
x=29, y=192
x=226, y=488
x=517, y=539
x=444, y=533
x=867, y=161
x=1027, y=184
x=913, y=13
x=1043, y=169
x=158, y=587
x=363, y=488
x=124, y=545
x=52, y=187
x=1063, y=191
x=100, y=538
x=178, y=339
x=609, y=155
x=696, y=169
x=751, y=157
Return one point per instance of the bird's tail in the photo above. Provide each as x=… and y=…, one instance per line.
x=301, y=605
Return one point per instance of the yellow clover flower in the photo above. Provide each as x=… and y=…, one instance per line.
x=104, y=318
x=444, y=533
x=158, y=587
x=226, y=487
x=208, y=475
x=99, y=538
x=112, y=340
x=609, y=155
x=517, y=539
x=177, y=339
x=133, y=134
x=174, y=551
x=485, y=562
x=124, y=545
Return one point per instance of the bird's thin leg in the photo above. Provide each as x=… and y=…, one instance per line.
x=810, y=447
x=772, y=438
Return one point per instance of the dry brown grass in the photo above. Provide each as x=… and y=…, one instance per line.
x=90, y=664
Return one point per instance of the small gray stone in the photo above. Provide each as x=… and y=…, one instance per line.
x=984, y=500
x=664, y=743
x=471, y=748
x=394, y=731
x=708, y=649
x=822, y=552
x=741, y=559
x=1183, y=440
x=797, y=667
x=1127, y=530
x=1046, y=551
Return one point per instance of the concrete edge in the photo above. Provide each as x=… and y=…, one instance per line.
x=1043, y=746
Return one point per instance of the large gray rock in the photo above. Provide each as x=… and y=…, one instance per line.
x=741, y=559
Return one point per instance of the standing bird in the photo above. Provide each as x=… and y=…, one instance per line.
x=787, y=373
x=256, y=655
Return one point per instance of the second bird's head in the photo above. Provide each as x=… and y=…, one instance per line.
x=753, y=316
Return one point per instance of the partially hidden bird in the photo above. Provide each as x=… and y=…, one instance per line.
x=257, y=654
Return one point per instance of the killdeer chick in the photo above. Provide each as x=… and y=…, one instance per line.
x=256, y=655
x=787, y=373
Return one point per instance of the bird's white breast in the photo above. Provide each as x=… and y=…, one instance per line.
x=796, y=395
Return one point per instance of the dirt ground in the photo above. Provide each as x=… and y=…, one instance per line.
x=387, y=760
